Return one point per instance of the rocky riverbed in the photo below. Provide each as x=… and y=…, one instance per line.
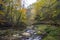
x=30, y=33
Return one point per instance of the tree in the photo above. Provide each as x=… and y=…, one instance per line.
x=14, y=14
x=47, y=11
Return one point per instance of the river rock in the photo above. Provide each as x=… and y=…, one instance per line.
x=26, y=34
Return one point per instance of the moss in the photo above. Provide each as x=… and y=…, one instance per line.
x=38, y=32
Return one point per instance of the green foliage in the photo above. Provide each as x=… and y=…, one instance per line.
x=53, y=33
x=47, y=11
x=13, y=16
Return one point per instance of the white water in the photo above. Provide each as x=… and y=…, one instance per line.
x=33, y=36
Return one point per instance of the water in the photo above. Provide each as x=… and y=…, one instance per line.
x=33, y=34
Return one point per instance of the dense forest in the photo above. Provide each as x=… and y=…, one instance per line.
x=39, y=21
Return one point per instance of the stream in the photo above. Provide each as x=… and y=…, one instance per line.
x=33, y=35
